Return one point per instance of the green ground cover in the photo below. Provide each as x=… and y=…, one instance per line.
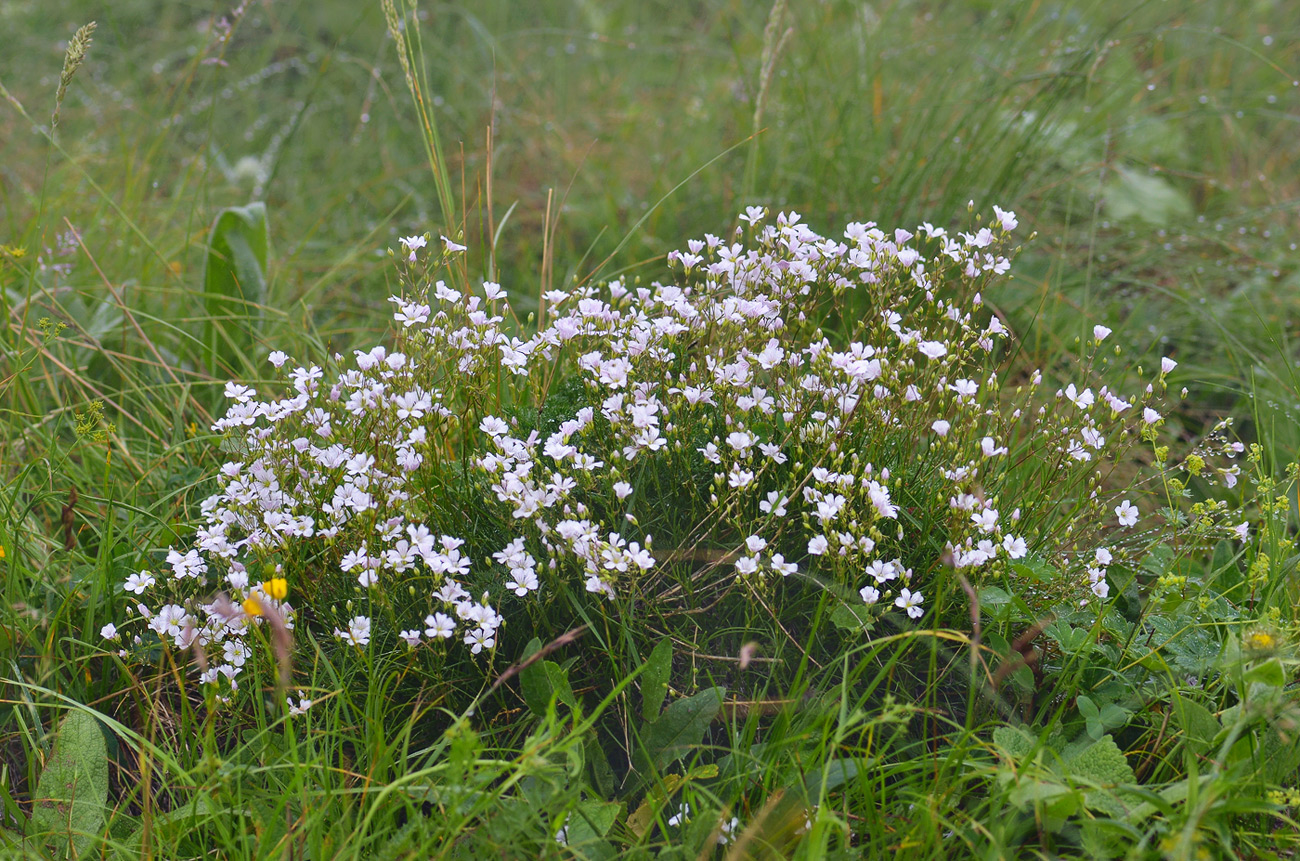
x=658, y=664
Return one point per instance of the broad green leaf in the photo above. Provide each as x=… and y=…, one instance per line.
x=69, y=804
x=1101, y=762
x=1015, y=742
x=1269, y=673
x=591, y=820
x=640, y=820
x=835, y=774
x=1063, y=800
x=654, y=681
x=234, y=284
x=602, y=774
x=533, y=683
x=681, y=727
x=1199, y=726
x=1158, y=560
x=1034, y=568
x=559, y=678
x=994, y=596
x=1152, y=199
x=1279, y=754
x=1071, y=640
x=857, y=618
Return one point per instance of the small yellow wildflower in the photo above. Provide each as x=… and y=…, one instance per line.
x=1261, y=641
x=2, y=551
x=252, y=606
x=276, y=587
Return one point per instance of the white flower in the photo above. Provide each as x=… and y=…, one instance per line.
x=1167, y=364
x=1103, y=556
x=301, y=708
x=1127, y=513
x=412, y=245
x=1243, y=531
x=991, y=448
x=523, y=581
x=755, y=543
x=986, y=520
x=1081, y=399
x=358, y=632
x=941, y=427
x=965, y=388
x=623, y=490
x=439, y=625
x=870, y=594
x=911, y=602
x=1006, y=218
x=277, y=358
x=932, y=349
x=493, y=426
x=1150, y=416
x=108, y=632
x=453, y=247
x=412, y=638
x=1015, y=546
x=480, y=639
x=739, y=478
x=774, y=504
x=785, y=569
x=1100, y=332
x=728, y=830
x=817, y=546
x=681, y=817
x=137, y=583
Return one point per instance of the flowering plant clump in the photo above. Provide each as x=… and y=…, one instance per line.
x=798, y=412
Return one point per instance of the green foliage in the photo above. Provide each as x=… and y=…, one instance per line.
x=234, y=285
x=69, y=806
x=1149, y=145
x=680, y=729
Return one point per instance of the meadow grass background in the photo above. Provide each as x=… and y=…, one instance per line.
x=1152, y=147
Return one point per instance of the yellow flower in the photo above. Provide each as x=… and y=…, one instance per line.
x=2, y=551
x=276, y=587
x=252, y=607
x=1261, y=641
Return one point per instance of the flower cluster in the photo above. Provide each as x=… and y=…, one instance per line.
x=837, y=404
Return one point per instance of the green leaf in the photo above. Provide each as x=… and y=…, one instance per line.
x=639, y=821
x=1034, y=568
x=602, y=774
x=681, y=727
x=70, y=796
x=543, y=681
x=1133, y=195
x=1101, y=762
x=591, y=820
x=654, y=681
x=994, y=596
x=835, y=774
x=857, y=618
x=234, y=284
x=1199, y=726
x=1269, y=673
x=1071, y=640
x=1015, y=742
x=559, y=679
